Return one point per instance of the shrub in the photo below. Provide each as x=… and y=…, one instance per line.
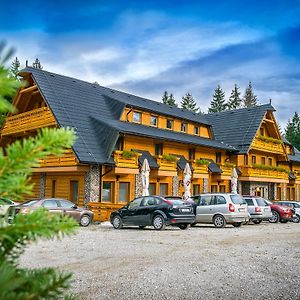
x=169, y=157
x=202, y=161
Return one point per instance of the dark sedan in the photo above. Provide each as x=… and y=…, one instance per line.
x=154, y=211
x=59, y=206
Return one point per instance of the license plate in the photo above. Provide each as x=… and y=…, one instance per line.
x=185, y=210
x=241, y=209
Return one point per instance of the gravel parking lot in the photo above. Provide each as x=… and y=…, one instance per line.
x=251, y=262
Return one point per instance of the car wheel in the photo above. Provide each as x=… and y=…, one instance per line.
x=237, y=224
x=257, y=221
x=219, y=221
x=117, y=222
x=275, y=217
x=183, y=226
x=159, y=222
x=142, y=227
x=296, y=219
x=85, y=221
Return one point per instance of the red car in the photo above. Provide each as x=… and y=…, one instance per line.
x=280, y=213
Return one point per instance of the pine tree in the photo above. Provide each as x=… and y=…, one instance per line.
x=188, y=102
x=235, y=100
x=218, y=102
x=37, y=64
x=292, y=131
x=16, y=163
x=15, y=68
x=170, y=100
x=249, y=98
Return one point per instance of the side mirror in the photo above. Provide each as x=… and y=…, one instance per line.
x=74, y=206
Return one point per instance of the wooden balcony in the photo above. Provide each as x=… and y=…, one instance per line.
x=249, y=171
x=30, y=120
x=267, y=146
x=226, y=170
x=199, y=171
x=126, y=163
x=166, y=167
x=66, y=160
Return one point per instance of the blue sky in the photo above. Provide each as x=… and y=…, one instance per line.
x=147, y=47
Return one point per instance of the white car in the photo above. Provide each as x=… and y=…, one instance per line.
x=258, y=209
x=220, y=209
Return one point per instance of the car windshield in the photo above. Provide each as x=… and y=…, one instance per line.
x=237, y=199
x=29, y=203
x=268, y=202
x=261, y=202
x=175, y=201
x=296, y=205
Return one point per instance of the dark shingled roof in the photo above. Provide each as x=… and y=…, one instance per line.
x=94, y=112
x=151, y=160
x=214, y=168
x=238, y=127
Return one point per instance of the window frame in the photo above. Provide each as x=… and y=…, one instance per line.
x=198, y=130
x=112, y=192
x=154, y=117
x=184, y=127
x=128, y=192
x=140, y=118
x=171, y=122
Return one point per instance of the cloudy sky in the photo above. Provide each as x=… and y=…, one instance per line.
x=147, y=47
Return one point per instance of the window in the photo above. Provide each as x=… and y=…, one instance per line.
x=214, y=188
x=183, y=127
x=53, y=190
x=169, y=124
x=196, y=189
x=270, y=161
x=135, y=203
x=253, y=159
x=196, y=130
x=261, y=131
x=158, y=149
x=263, y=160
x=222, y=188
x=123, y=192
x=219, y=200
x=74, y=191
x=237, y=199
x=120, y=144
x=107, y=191
x=66, y=204
x=163, y=189
x=218, y=157
x=245, y=160
x=205, y=200
x=278, y=193
x=153, y=121
x=249, y=201
x=50, y=204
x=150, y=201
x=152, y=188
x=192, y=153
x=137, y=117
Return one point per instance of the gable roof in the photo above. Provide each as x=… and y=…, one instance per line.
x=238, y=127
x=94, y=112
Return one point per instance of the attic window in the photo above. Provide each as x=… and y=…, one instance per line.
x=137, y=117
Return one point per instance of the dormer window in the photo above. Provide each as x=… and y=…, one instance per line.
x=183, y=127
x=153, y=121
x=170, y=124
x=137, y=117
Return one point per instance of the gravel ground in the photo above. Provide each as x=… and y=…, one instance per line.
x=251, y=262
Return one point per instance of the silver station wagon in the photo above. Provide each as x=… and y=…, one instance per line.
x=220, y=209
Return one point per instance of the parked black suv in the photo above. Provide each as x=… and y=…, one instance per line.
x=154, y=211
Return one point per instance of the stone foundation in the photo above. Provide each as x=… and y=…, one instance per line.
x=138, y=185
x=175, y=186
x=92, y=185
x=43, y=185
x=205, y=185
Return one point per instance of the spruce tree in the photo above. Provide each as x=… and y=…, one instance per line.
x=292, y=131
x=16, y=163
x=168, y=99
x=188, y=102
x=218, y=102
x=235, y=100
x=249, y=99
x=37, y=64
x=15, y=68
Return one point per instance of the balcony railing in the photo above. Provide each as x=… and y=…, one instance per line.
x=67, y=159
x=268, y=146
x=126, y=159
x=249, y=171
x=226, y=170
x=199, y=168
x=166, y=165
x=30, y=120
